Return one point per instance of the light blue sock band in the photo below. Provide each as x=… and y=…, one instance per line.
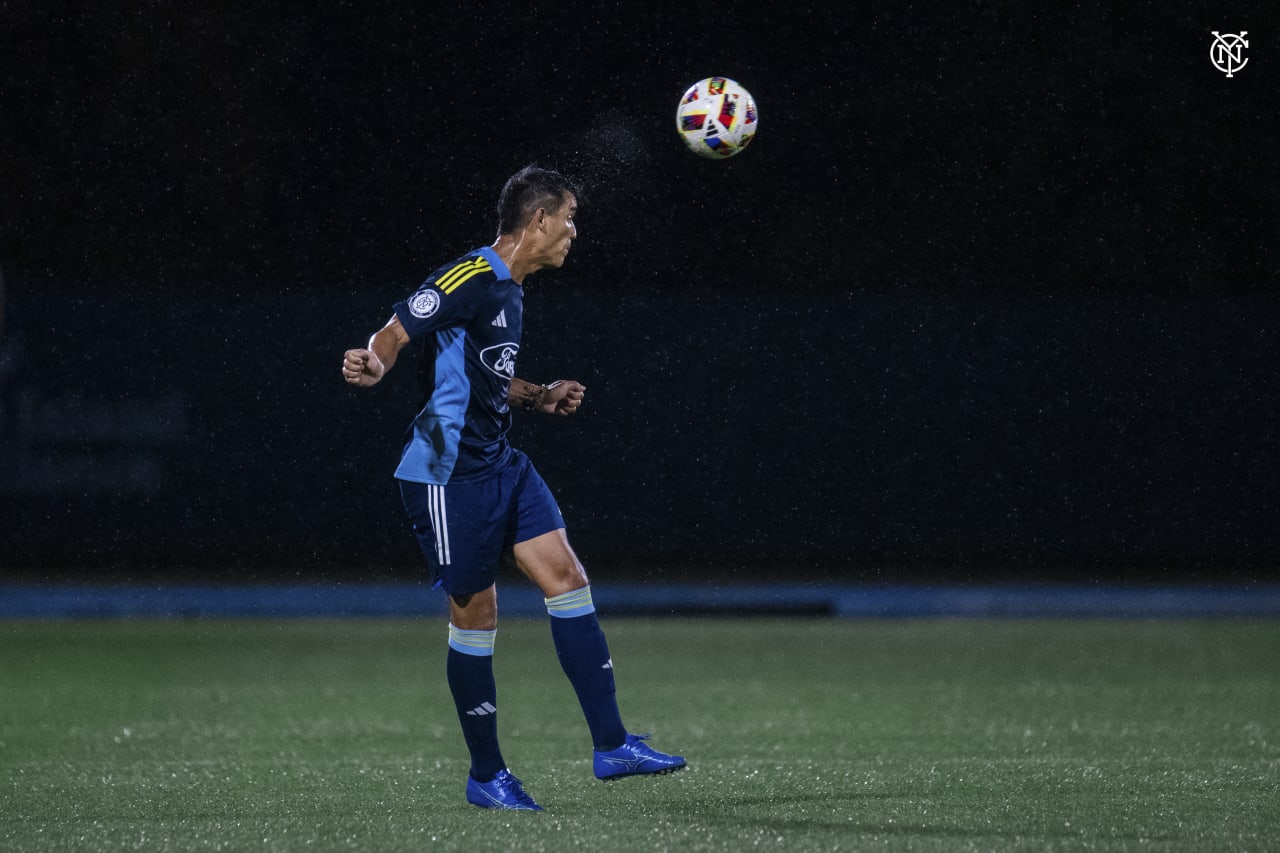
x=571, y=604
x=477, y=643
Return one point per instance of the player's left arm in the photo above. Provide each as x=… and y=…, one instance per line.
x=562, y=397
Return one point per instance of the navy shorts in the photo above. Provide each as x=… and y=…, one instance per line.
x=464, y=528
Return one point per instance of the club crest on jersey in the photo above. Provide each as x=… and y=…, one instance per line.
x=501, y=359
x=424, y=303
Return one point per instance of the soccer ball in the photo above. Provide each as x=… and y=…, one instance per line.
x=716, y=118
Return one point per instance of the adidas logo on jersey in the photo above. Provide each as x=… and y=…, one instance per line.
x=501, y=320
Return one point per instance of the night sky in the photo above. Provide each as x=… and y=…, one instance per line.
x=930, y=146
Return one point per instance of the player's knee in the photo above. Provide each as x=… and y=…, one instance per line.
x=573, y=577
x=556, y=576
x=475, y=611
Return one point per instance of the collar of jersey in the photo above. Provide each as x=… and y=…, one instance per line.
x=499, y=266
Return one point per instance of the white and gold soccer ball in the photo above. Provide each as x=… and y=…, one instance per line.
x=717, y=118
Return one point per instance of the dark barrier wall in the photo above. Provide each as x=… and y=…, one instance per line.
x=991, y=295
x=858, y=436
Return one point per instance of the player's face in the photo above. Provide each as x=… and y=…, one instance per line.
x=560, y=232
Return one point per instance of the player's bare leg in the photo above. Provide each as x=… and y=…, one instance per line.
x=473, y=623
x=476, y=612
x=549, y=561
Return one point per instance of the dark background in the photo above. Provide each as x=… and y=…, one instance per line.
x=991, y=295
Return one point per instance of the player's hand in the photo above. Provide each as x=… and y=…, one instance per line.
x=562, y=397
x=362, y=368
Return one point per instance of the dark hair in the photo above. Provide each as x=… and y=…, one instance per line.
x=526, y=191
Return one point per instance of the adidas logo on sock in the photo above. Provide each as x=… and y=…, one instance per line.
x=608, y=665
x=501, y=319
x=482, y=710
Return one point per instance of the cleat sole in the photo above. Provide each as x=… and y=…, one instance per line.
x=663, y=772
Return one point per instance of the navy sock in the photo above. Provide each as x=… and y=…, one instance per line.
x=584, y=656
x=475, y=695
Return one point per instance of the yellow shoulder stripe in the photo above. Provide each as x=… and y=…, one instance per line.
x=450, y=281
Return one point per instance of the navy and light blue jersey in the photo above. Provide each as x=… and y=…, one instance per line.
x=467, y=316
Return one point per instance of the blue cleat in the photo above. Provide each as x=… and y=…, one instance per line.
x=635, y=758
x=501, y=792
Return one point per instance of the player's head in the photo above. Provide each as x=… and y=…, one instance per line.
x=536, y=224
x=529, y=190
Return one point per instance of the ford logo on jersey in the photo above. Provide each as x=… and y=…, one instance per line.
x=501, y=359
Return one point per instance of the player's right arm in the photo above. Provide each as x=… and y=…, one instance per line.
x=366, y=367
x=449, y=297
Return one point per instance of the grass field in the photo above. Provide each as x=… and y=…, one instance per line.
x=801, y=735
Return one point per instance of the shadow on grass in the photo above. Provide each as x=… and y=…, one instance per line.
x=762, y=813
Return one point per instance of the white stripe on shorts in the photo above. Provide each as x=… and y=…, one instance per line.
x=439, y=521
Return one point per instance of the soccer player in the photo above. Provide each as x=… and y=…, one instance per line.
x=471, y=497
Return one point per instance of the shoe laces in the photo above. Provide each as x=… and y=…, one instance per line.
x=511, y=785
x=638, y=742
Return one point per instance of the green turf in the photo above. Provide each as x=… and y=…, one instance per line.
x=801, y=735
